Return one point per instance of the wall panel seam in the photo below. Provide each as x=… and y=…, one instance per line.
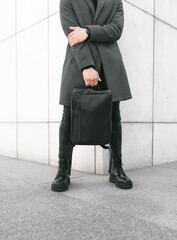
x=94, y=163
x=16, y=77
x=138, y=7
x=48, y=87
x=153, y=85
x=7, y=38
x=26, y=28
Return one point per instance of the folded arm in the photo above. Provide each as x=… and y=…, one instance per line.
x=81, y=51
x=104, y=34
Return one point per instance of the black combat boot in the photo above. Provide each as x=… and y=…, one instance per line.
x=117, y=174
x=62, y=179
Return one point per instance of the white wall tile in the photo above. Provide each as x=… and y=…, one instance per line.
x=8, y=139
x=165, y=73
x=8, y=80
x=166, y=10
x=54, y=143
x=144, y=4
x=57, y=46
x=30, y=12
x=165, y=143
x=136, y=145
x=33, y=142
x=53, y=6
x=136, y=46
x=83, y=158
x=102, y=160
x=32, y=73
x=7, y=18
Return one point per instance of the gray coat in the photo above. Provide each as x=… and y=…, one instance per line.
x=105, y=25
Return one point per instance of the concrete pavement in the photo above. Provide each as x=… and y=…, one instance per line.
x=92, y=208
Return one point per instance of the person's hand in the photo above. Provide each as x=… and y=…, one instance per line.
x=91, y=77
x=78, y=35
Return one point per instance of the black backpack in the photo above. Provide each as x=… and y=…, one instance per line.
x=91, y=117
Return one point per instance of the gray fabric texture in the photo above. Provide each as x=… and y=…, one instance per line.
x=105, y=25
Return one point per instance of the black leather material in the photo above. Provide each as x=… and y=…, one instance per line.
x=60, y=184
x=91, y=116
x=118, y=176
x=62, y=179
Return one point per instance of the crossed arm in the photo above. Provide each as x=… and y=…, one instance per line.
x=79, y=35
x=101, y=34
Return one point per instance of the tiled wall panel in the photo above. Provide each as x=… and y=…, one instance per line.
x=84, y=159
x=57, y=46
x=53, y=6
x=8, y=139
x=7, y=18
x=102, y=160
x=30, y=12
x=8, y=81
x=32, y=73
x=33, y=142
x=143, y=4
x=136, y=145
x=136, y=45
x=165, y=109
x=165, y=143
x=166, y=11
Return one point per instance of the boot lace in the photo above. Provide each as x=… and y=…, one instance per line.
x=61, y=168
x=118, y=166
x=120, y=169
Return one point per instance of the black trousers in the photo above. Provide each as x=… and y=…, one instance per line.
x=65, y=145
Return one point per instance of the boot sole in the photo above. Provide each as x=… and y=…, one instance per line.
x=55, y=188
x=119, y=185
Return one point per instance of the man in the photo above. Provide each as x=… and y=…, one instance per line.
x=92, y=28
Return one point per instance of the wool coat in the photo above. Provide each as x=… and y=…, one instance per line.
x=105, y=25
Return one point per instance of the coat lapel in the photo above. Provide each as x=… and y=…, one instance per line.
x=90, y=3
x=99, y=7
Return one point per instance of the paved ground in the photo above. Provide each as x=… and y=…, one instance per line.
x=92, y=208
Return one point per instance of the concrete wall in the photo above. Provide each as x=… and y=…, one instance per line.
x=149, y=47
x=32, y=48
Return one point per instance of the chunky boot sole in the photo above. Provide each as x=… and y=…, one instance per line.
x=118, y=184
x=60, y=187
x=57, y=188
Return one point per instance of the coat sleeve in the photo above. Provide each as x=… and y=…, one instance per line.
x=110, y=32
x=81, y=51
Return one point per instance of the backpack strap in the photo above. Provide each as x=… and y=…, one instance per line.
x=110, y=160
x=105, y=147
